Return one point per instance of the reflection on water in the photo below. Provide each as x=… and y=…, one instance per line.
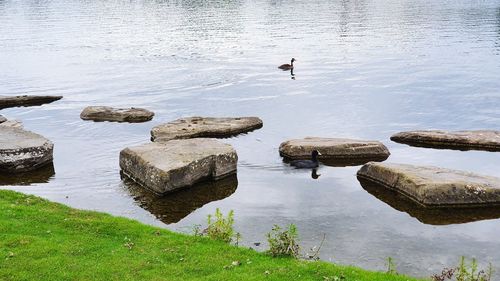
x=42, y=175
x=432, y=216
x=368, y=69
x=344, y=162
x=173, y=207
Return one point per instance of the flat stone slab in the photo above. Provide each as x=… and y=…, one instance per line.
x=2, y=119
x=106, y=113
x=460, y=140
x=204, y=127
x=433, y=186
x=22, y=151
x=167, y=166
x=14, y=101
x=341, y=150
x=429, y=215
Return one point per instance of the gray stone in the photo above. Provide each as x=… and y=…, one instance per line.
x=106, y=113
x=335, y=150
x=22, y=150
x=14, y=101
x=2, y=119
x=461, y=140
x=433, y=186
x=429, y=215
x=167, y=166
x=204, y=127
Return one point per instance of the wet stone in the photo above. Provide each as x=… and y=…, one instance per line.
x=205, y=127
x=2, y=119
x=22, y=151
x=106, y=113
x=343, y=152
x=434, y=186
x=461, y=140
x=14, y=101
x=167, y=166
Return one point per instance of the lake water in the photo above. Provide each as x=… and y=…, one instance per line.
x=365, y=69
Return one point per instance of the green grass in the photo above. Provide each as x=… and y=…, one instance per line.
x=41, y=240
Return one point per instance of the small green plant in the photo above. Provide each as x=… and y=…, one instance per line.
x=220, y=227
x=283, y=242
x=391, y=267
x=465, y=272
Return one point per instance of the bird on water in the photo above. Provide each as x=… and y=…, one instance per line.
x=287, y=66
x=313, y=163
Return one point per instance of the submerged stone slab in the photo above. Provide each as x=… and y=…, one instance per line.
x=343, y=151
x=204, y=127
x=14, y=101
x=429, y=215
x=433, y=186
x=461, y=140
x=106, y=113
x=22, y=150
x=168, y=166
x=12, y=124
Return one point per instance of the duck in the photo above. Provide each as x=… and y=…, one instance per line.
x=307, y=164
x=287, y=66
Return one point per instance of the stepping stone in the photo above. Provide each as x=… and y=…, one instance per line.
x=2, y=119
x=432, y=216
x=433, y=186
x=168, y=166
x=204, y=127
x=22, y=150
x=106, y=113
x=173, y=207
x=460, y=140
x=335, y=151
x=14, y=101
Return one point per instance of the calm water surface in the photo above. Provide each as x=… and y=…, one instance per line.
x=366, y=69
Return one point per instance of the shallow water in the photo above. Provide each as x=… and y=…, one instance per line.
x=365, y=69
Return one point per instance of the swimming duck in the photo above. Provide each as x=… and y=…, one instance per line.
x=303, y=164
x=287, y=66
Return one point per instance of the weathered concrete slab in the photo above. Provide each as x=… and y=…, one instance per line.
x=2, y=119
x=204, y=127
x=335, y=151
x=168, y=166
x=429, y=215
x=14, y=101
x=106, y=113
x=433, y=186
x=175, y=206
x=461, y=140
x=22, y=150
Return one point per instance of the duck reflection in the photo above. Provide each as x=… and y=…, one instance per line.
x=41, y=175
x=292, y=74
x=427, y=215
x=314, y=174
x=172, y=207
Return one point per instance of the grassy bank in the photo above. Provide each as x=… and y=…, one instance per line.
x=41, y=240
